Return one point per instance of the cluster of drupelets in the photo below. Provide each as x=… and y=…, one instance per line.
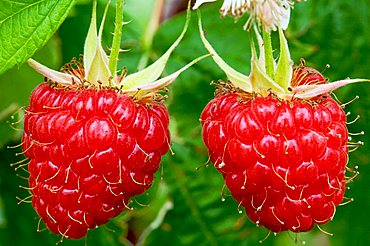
x=156, y=98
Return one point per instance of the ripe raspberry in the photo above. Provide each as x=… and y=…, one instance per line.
x=90, y=150
x=306, y=76
x=95, y=138
x=278, y=138
x=284, y=161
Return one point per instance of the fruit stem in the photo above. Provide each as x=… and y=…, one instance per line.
x=269, y=59
x=116, y=43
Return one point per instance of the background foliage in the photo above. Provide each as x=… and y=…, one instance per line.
x=185, y=203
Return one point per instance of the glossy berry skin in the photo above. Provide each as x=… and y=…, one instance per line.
x=90, y=151
x=283, y=161
x=306, y=76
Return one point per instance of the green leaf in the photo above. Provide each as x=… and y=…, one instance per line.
x=26, y=25
x=146, y=220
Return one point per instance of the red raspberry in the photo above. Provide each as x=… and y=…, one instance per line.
x=90, y=150
x=306, y=76
x=283, y=160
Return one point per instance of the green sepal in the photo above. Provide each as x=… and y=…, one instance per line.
x=261, y=82
x=91, y=41
x=239, y=80
x=95, y=59
x=284, y=69
x=153, y=72
x=137, y=91
x=53, y=75
x=310, y=91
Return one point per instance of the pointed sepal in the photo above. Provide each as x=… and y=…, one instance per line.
x=284, y=69
x=95, y=59
x=156, y=85
x=239, y=80
x=53, y=75
x=154, y=71
x=310, y=91
x=91, y=41
x=261, y=82
x=261, y=58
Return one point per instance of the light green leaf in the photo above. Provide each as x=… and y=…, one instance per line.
x=27, y=25
x=152, y=73
x=284, y=69
x=238, y=79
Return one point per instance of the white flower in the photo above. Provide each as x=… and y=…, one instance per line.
x=271, y=14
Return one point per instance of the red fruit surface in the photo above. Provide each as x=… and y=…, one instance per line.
x=90, y=151
x=307, y=76
x=283, y=161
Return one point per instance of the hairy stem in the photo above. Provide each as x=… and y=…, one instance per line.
x=116, y=44
x=269, y=59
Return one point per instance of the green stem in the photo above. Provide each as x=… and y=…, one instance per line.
x=116, y=44
x=269, y=59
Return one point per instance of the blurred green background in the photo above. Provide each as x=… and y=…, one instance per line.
x=185, y=205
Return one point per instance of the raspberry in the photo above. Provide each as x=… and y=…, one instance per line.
x=90, y=151
x=306, y=76
x=284, y=161
x=278, y=138
x=95, y=135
